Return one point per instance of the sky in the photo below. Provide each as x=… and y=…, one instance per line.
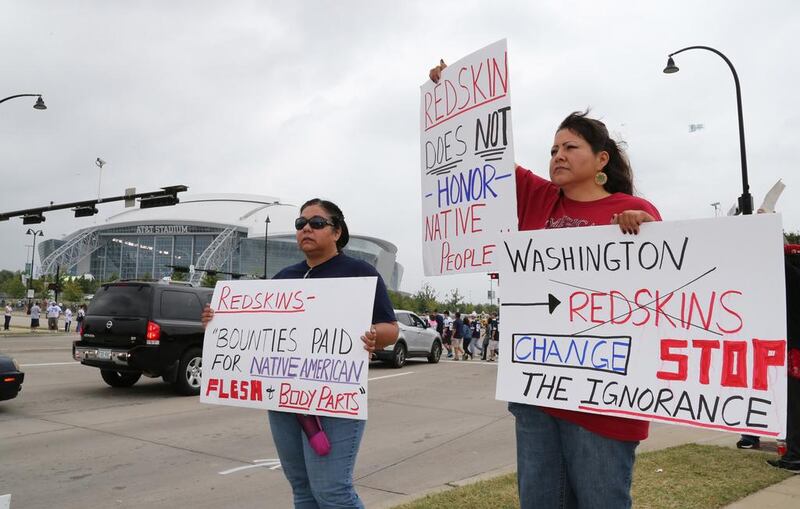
x=310, y=98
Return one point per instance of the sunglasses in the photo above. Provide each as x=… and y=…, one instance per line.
x=316, y=222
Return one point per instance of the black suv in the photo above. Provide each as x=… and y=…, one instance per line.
x=135, y=328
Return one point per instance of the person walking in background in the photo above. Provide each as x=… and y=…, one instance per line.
x=458, y=337
x=67, y=319
x=36, y=312
x=7, y=316
x=447, y=338
x=53, y=312
x=475, y=343
x=80, y=318
x=466, y=336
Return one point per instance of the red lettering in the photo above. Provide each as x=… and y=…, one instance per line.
x=574, y=309
x=705, y=346
x=680, y=359
x=475, y=87
x=615, y=296
x=594, y=307
x=734, y=364
x=476, y=219
x=436, y=101
x=734, y=313
x=234, y=389
x=428, y=103
x=256, y=394
x=226, y=291
x=488, y=249
x=695, y=304
x=659, y=307
x=766, y=353
x=213, y=385
x=641, y=305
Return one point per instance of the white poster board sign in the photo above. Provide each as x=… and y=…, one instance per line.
x=684, y=323
x=292, y=345
x=467, y=158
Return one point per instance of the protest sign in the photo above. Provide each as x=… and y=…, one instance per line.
x=292, y=345
x=467, y=158
x=684, y=323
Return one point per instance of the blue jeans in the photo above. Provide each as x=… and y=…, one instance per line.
x=562, y=465
x=319, y=482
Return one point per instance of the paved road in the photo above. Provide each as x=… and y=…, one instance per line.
x=70, y=441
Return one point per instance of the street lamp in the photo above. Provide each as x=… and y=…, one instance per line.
x=39, y=102
x=746, y=199
x=35, y=233
x=266, y=233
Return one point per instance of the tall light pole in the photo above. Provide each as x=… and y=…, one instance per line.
x=35, y=233
x=99, y=163
x=746, y=199
x=39, y=105
x=266, y=249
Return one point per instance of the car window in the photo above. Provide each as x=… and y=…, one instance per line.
x=416, y=321
x=403, y=318
x=114, y=300
x=180, y=305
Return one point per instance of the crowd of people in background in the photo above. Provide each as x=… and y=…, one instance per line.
x=464, y=335
x=54, y=312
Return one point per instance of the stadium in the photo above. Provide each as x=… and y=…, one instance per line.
x=209, y=232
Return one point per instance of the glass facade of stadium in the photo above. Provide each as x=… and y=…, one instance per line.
x=146, y=251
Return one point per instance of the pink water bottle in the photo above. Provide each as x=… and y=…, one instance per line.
x=317, y=438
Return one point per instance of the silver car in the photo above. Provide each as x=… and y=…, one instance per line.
x=416, y=339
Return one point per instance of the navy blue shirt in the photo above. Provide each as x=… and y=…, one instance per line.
x=342, y=265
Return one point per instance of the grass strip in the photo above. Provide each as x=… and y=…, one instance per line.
x=689, y=476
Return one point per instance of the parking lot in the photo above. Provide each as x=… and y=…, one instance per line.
x=70, y=441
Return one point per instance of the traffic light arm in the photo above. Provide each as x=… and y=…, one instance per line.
x=167, y=195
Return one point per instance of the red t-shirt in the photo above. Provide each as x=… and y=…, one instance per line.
x=540, y=204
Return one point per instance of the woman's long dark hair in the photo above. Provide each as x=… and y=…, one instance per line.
x=618, y=169
x=337, y=218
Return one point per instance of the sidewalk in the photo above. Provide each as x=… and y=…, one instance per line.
x=21, y=326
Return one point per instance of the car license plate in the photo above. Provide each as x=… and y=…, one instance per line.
x=103, y=354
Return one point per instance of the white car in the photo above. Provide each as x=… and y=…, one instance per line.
x=416, y=339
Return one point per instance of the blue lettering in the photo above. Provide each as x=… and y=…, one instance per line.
x=474, y=185
x=594, y=351
x=516, y=348
x=622, y=356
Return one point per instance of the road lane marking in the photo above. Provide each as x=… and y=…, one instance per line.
x=271, y=463
x=72, y=363
x=390, y=376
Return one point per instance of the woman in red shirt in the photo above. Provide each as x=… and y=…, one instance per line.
x=567, y=458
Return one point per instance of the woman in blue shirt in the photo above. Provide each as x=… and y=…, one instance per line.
x=327, y=481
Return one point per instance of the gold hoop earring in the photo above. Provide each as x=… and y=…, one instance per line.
x=600, y=178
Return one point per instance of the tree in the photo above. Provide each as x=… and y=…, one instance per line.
x=425, y=299
x=792, y=237
x=209, y=281
x=73, y=291
x=178, y=275
x=14, y=288
x=453, y=300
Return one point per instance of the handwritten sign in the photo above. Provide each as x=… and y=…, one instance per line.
x=292, y=345
x=467, y=159
x=684, y=323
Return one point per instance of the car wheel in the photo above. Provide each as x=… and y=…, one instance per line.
x=119, y=378
x=190, y=370
x=399, y=355
x=436, y=352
